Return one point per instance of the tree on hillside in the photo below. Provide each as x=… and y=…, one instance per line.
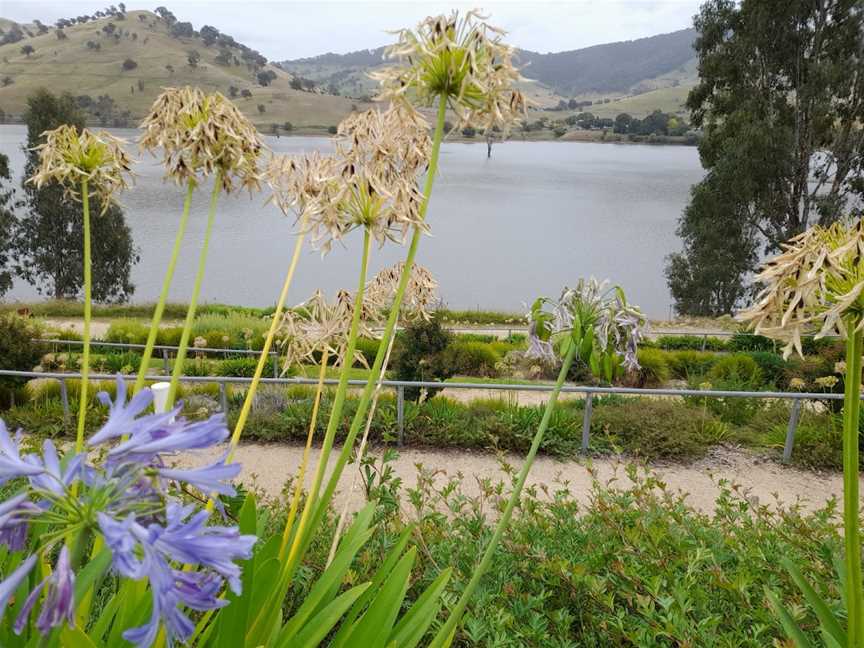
x=49, y=236
x=780, y=99
x=9, y=204
x=232, y=91
x=193, y=57
x=265, y=77
x=61, y=35
x=209, y=35
x=27, y=50
x=129, y=64
x=245, y=93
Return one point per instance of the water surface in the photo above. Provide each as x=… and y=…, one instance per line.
x=534, y=217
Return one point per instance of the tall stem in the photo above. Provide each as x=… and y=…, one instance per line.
x=301, y=472
x=339, y=398
x=268, y=342
x=851, y=522
x=163, y=296
x=85, y=354
x=196, y=290
x=445, y=634
x=390, y=327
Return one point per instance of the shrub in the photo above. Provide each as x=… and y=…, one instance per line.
x=469, y=358
x=651, y=428
x=369, y=348
x=739, y=368
x=125, y=363
x=691, y=343
x=684, y=364
x=418, y=354
x=18, y=351
x=127, y=331
x=773, y=367
x=244, y=367
x=742, y=341
x=653, y=369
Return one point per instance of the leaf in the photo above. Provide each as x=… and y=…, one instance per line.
x=373, y=628
x=94, y=570
x=826, y=617
x=321, y=624
x=414, y=624
x=789, y=624
x=75, y=638
x=382, y=572
x=351, y=543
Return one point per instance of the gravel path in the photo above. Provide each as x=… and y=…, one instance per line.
x=267, y=466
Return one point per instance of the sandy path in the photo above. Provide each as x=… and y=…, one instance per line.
x=267, y=466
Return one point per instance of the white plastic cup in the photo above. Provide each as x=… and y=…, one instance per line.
x=160, y=396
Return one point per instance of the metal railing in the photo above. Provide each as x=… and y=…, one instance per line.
x=400, y=385
x=166, y=350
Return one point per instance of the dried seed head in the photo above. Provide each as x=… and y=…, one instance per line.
x=459, y=60
x=202, y=134
x=813, y=286
x=317, y=325
x=69, y=157
x=303, y=185
x=420, y=292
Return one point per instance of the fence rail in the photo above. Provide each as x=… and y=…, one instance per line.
x=399, y=386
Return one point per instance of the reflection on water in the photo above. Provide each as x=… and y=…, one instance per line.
x=534, y=217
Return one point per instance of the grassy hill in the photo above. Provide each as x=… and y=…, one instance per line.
x=160, y=59
x=660, y=69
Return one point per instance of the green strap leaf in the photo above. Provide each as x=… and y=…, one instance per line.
x=321, y=624
x=413, y=625
x=826, y=617
x=789, y=624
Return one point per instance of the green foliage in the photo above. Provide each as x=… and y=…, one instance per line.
x=738, y=367
x=653, y=368
x=244, y=366
x=691, y=343
x=686, y=364
x=418, y=354
x=651, y=429
x=17, y=349
x=468, y=358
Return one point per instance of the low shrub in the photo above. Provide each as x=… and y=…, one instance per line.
x=773, y=367
x=743, y=341
x=690, y=343
x=18, y=352
x=418, y=354
x=684, y=364
x=469, y=358
x=369, y=348
x=651, y=429
x=127, y=331
x=124, y=363
x=653, y=369
x=244, y=367
x=739, y=368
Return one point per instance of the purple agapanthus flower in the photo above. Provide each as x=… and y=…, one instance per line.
x=15, y=514
x=149, y=535
x=14, y=580
x=139, y=551
x=178, y=436
x=214, y=478
x=53, y=477
x=12, y=465
x=59, y=604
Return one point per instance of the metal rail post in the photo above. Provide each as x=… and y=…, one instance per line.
x=586, y=421
x=223, y=398
x=64, y=399
x=400, y=413
x=165, y=363
x=790, y=431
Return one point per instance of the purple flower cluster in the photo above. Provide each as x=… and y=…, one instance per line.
x=150, y=535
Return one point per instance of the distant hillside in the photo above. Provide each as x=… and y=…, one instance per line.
x=613, y=70
x=117, y=65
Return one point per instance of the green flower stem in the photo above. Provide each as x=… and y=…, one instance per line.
x=851, y=522
x=193, y=301
x=163, y=296
x=85, y=354
x=347, y=362
x=375, y=372
x=446, y=633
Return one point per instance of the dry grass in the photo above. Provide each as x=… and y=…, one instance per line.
x=68, y=65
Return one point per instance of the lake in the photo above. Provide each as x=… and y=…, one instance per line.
x=534, y=217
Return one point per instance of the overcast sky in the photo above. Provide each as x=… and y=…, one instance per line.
x=287, y=29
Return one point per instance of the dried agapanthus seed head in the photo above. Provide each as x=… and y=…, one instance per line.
x=462, y=61
x=316, y=326
x=201, y=134
x=815, y=285
x=421, y=291
x=69, y=157
x=379, y=157
x=592, y=310
x=301, y=184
